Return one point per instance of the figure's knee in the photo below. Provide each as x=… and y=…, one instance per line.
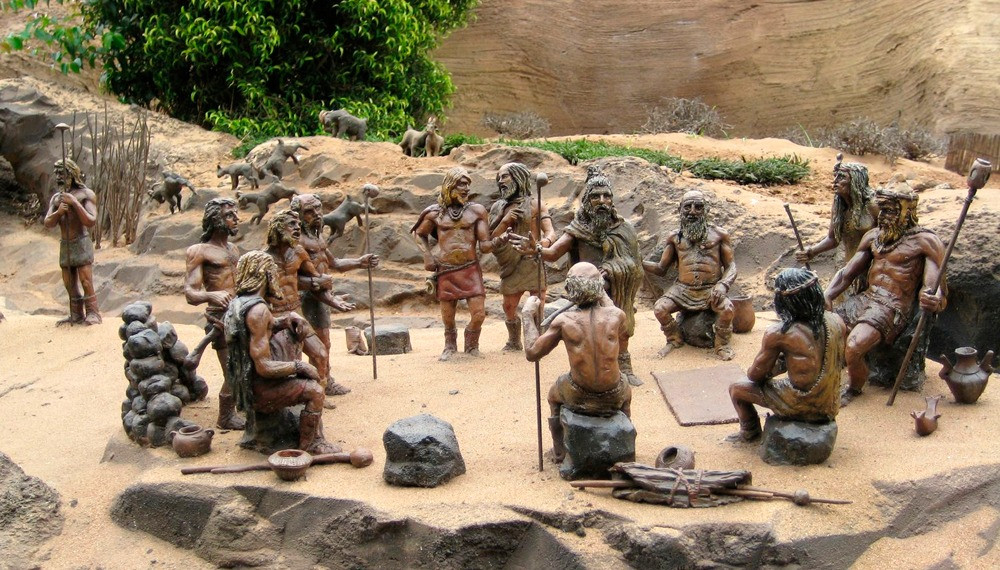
x=742, y=390
x=314, y=393
x=664, y=309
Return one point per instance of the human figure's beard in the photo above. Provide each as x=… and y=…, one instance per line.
x=584, y=291
x=602, y=218
x=889, y=233
x=694, y=231
x=313, y=229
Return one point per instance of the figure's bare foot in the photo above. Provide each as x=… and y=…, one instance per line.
x=743, y=436
x=725, y=352
x=93, y=319
x=68, y=321
x=328, y=405
x=474, y=352
x=321, y=446
x=848, y=396
x=446, y=354
x=668, y=348
x=333, y=388
x=633, y=380
x=231, y=421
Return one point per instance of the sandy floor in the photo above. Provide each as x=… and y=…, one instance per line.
x=60, y=420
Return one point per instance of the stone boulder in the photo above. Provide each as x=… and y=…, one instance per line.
x=390, y=339
x=594, y=444
x=787, y=442
x=29, y=515
x=421, y=451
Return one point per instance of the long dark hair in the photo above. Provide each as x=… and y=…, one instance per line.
x=799, y=298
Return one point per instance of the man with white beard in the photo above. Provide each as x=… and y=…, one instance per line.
x=706, y=271
x=902, y=261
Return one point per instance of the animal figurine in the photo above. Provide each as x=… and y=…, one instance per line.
x=927, y=420
x=170, y=190
x=274, y=163
x=237, y=169
x=274, y=192
x=340, y=122
x=427, y=141
x=338, y=218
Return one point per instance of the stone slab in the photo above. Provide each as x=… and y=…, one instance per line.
x=700, y=396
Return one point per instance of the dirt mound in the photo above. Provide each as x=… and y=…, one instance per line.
x=29, y=514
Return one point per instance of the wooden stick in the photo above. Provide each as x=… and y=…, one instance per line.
x=541, y=179
x=370, y=191
x=974, y=185
x=321, y=459
x=795, y=229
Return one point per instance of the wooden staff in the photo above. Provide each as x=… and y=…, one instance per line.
x=978, y=176
x=800, y=497
x=62, y=128
x=541, y=179
x=370, y=191
x=795, y=229
x=359, y=458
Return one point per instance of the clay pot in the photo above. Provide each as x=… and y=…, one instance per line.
x=676, y=457
x=192, y=441
x=967, y=378
x=743, y=315
x=289, y=464
x=926, y=421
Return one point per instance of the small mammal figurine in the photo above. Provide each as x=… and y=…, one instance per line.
x=276, y=191
x=170, y=190
x=338, y=218
x=339, y=122
x=274, y=163
x=426, y=141
x=237, y=169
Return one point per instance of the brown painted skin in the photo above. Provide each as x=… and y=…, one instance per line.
x=511, y=217
x=841, y=187
x=74, y=210
x=457, y=240
x=593, y=336
x=914, y=263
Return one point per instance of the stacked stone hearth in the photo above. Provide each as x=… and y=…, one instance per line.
x=158, y=384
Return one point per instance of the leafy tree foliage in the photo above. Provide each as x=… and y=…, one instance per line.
x=267, y=67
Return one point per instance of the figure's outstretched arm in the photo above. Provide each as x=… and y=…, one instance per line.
x=537, y=346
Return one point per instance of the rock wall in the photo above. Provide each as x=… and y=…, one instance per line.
x=596, y=67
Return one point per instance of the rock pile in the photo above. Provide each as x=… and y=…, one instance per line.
x=158, y=383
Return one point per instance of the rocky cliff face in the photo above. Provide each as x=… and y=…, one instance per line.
x=590, y=66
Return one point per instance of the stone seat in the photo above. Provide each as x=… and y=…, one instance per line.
x=791, y=442
x=594, y=444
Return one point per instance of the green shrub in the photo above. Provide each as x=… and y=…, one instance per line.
x=580, y=150
x=454, y=141
x=765, y=171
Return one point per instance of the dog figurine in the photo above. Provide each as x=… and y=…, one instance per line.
x=339, y=122
x=264, y=199
x=274, y=163
x=169, y=190
x=338, y=218
x=237, y=169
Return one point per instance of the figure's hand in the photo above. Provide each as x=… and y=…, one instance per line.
x=303, y=368
x=931, y=302
x=803, y=257
x=219, y=298
x=369, y=260
x=513, y=216
x=297, y=325
x=532, y=309
x=525, y=245
x=718, y=294
x=341, y=304
x=429, y=264
x=828, y=302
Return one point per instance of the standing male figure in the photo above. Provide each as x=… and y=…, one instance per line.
x=598, y=235
x=517, y=212
x=902, y=261
x=853, y=213
x=314, y=309
x=459, y=226
x=593, y=330
x=808, y=344
x=263, y=381
x=211, y=280
x=705, y=273
x=74, y=209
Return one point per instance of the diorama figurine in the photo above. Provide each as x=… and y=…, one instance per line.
x=706, y=271
x=74, y=209
x=516, y=211
x=314, y=309
x=593, y=330
x=458, y=226
x=211, y=281
x=808, y=344
x=263, y=382
x=853, y=214
x=599, y=235
x=170, y=190
x=902, y=261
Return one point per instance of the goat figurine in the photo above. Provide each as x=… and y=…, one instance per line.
x=426, y=142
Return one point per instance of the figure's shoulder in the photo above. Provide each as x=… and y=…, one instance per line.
x=674, y=236
x=927, y=237
x=195, y=251
x=719, y=232
x=87, y=193
x=478, y=209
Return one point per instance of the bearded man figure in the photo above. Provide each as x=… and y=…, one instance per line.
x=210, y=280
x=74, y=209
x=314, y=308
x=901, y=261
x=598, y=235
x=263, y=382
x=458, y=226
x=706, y=271
x=808, y=344
x=517, y=212
x=853, y=214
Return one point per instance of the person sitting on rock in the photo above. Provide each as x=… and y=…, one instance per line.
x=706, y=271
x=594, y=330
x=261, y=383
x=808, y=344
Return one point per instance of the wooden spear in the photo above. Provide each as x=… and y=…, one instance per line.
x=370, y=191
x=541, y=179
x=795, y=229
x=978, y=176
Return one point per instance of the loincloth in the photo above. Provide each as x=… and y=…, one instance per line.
x=270, y=396
x=690, y=297
x=588, y=403
x=214, y=323
x=523, y=276
x=76, y=252
x=875, y=310
x=462, y=282
x=315, y=311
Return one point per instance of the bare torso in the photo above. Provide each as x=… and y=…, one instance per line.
x=803, y=355
x=71, y=225
x=457, y=238
x=592, y=337
x=218, y=265
x=289, y=261
x=699, y=264
x=899, y=271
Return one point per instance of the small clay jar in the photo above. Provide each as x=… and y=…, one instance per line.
x=967, y=378
x=675, y=457
x=289, y=464
x=192, y=441
x=743, y=315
